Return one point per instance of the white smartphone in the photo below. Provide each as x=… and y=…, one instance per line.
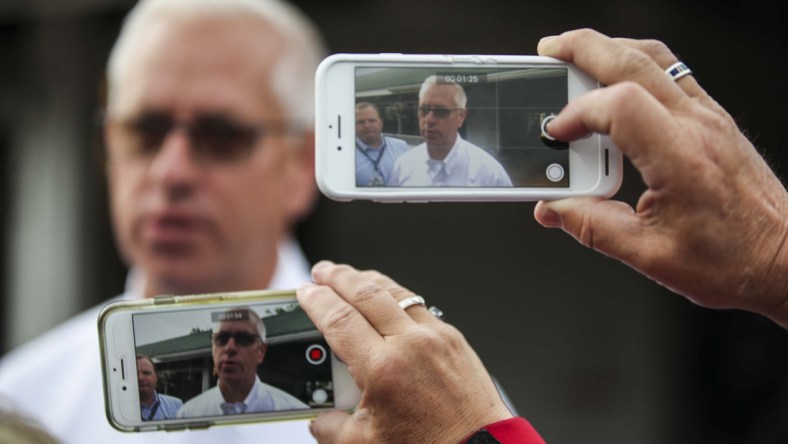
x=397, y=127
x=173, y=363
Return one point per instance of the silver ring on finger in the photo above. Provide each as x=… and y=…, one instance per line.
x=419, y=300
x=411, y=301
x=678, y=70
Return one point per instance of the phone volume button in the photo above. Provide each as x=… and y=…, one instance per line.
x=466, y=59
x=163, y=299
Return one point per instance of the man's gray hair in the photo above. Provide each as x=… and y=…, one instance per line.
x=293, y=76
x=460, y=99
x=240, y=314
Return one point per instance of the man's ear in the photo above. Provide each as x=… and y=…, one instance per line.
x=103, y=156
x=461, y=114
x=303, y=191
x=263, y=349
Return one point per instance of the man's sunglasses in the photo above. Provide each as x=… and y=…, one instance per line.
x=211, y=137
x=242, y=338
x=439, y=111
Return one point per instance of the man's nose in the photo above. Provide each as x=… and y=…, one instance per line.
x=231, y=345
x=430, y=116
x=174, y=166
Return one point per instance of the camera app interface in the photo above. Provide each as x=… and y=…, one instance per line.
x=245, y=359
x=458, y=127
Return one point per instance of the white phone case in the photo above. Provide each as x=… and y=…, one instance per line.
x=508, y=98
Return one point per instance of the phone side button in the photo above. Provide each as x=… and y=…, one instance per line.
x=197, y=426
x=466, y=59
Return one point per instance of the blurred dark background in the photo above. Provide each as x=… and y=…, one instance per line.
x=588, y=350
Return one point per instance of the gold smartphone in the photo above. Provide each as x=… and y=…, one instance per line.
x=192, y=362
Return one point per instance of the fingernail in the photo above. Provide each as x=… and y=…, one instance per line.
x=546, y=44
x=547, y=129
x=321, y=265
x=312, y=427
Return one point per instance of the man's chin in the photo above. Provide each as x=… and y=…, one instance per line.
x=174, y=249
x=181, y=275
x=231, y=377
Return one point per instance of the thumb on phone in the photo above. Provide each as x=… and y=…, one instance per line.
x=608, y=226
x=326, y=427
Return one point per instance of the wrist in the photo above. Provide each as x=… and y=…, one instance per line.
x=763, y=266
x=777, y=277
x=508, y=431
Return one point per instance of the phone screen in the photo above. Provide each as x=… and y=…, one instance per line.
x=207, y=362
x=459, y=127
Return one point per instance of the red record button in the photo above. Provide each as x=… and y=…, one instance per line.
x=316, y=354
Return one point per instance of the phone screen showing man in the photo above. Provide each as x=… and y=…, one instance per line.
x=459, y=127
x=211, y=362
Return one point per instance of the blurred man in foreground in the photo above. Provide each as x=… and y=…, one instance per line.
x=209, y=132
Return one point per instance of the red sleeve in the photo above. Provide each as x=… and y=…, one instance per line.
x=512, y=431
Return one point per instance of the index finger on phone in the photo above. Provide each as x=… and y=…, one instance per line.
x=346, y=330
x=611, y=61
x=641, y=127
x=373, y=294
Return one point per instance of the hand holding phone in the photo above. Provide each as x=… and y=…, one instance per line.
x=394, y=127
x=422, y=382
x=705, y=181
x=195, y=361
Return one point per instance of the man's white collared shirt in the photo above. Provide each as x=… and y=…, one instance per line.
x=466, y=165
x=261, y=398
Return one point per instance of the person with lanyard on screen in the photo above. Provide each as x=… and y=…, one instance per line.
x=376, y=152
x=153, y=405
